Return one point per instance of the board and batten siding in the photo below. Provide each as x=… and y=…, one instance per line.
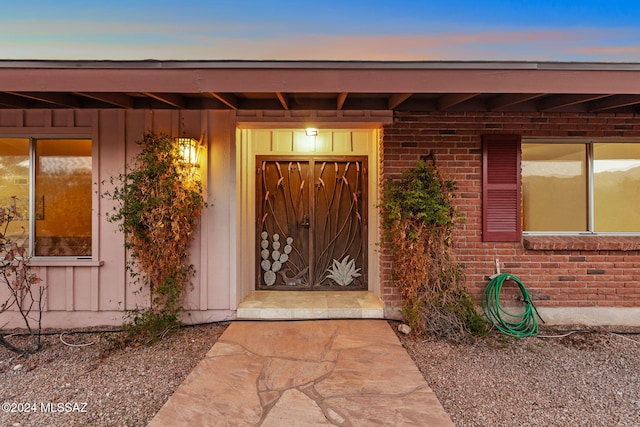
x=97, y=291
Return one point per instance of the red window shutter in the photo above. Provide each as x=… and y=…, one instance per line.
x=501, y=213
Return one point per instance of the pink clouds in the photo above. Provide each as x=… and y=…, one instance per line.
x=150, y=41
x=488, y=45
x=614, y=50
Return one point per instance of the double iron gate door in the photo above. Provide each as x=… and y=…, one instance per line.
x=311, y=223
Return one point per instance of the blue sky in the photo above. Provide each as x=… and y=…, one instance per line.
x=325, y=30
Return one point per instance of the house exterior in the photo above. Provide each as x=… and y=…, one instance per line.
x=546, y=157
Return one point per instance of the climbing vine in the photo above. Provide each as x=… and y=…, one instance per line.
x=419, y=216
x=158, y=205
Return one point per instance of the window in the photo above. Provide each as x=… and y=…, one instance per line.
x=581, y=187
x=554, y=187
x=49, y=180
x=567, y=187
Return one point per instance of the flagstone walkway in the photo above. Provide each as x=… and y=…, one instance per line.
x=305, y=373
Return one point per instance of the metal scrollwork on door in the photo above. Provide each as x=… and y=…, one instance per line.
x=283, y=203
x=272, y=261
x=340, y=212
x=318, y=209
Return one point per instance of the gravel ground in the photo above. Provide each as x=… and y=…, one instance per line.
x=119, y=387
x=583, y=379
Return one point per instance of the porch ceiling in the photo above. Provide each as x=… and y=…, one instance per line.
x=326, y=85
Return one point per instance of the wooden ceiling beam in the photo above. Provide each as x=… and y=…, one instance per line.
x=447, y=101
x=397, y=99
x=62, y=99
x=561, y=101
x=14, y=101
x=612, y=102
x=174, y=100
x=118, y=99
x=229, y=100
x=284, y=100
x=342, y=97
x=508, y=100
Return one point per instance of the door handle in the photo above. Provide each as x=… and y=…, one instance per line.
x=305, y=222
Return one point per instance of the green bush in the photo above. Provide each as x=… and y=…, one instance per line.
x=419, y=216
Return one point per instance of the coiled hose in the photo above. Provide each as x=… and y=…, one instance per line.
x=516, y=325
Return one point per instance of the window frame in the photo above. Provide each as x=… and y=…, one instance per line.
x=590, y=178
x=62, y=260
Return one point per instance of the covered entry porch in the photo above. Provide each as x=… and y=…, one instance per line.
x=308, y=228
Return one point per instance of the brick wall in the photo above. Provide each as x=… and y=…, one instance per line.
x=558, y=273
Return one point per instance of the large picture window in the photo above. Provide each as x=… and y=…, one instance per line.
x=49, y=181
x=581, y=187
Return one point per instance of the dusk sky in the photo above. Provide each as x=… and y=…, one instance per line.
x=324, y=30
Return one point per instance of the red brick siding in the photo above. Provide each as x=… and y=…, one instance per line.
x=390, y=293
x=565, y=277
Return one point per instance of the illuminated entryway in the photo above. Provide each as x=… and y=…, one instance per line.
x=308, y=217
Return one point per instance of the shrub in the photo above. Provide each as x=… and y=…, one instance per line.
x=158, y=205
x=419, y=216
x=24, y=292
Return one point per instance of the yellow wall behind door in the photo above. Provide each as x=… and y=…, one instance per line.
x=287, y=141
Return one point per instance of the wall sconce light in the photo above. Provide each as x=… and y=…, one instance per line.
x=190, y=150
x=311, y=131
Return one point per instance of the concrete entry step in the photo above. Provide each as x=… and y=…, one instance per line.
x=307, y=373
x=300, y=305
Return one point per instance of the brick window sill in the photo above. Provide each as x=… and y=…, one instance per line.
x=581, y=243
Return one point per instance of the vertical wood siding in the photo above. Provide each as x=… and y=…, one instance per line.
x=82, y=293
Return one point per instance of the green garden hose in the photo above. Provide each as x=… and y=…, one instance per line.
x=516, y=325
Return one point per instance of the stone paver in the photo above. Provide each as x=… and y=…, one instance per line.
x=344, y=373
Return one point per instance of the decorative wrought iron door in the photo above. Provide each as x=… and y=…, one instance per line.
x=312, y=223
